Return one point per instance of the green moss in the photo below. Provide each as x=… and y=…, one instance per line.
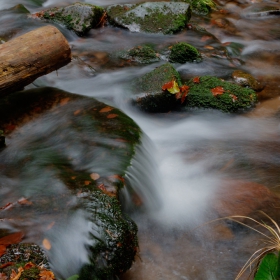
x=30, y=274
x=183, y=52
x=246, y=80
x=233, y=99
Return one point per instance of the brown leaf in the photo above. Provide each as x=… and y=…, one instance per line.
x=77, y=112
x=106, y=109
x=2, y=250
x=208, y=47
x=7, y=206
x=13, y=238
x=46, y=275
x=29, y=265
x=94, y=176
x=6, y=265
x=24, y=201
x=16, y=276
x=64, y=101
x=47, y=244
x=217, y=91
x=111, y=116
x=3, y=276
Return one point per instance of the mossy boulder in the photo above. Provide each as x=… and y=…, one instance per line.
x=212, y=92
x=150, y=17
x=183, y=52
x=200, y=7
x=153, y=99
x=140, y=54
x=80, y=156
x=79, y=17
x=246, y=80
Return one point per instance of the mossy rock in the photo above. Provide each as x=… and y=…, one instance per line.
x=150, y=17
x=102, y=140
x=246, y=80
x=140, y=54
x=211, y=92
x=79, y=17
x=200, y=7
x=150, y=84
x=183, y=52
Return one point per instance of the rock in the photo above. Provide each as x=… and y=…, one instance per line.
x=246, y=80
x=237, y=197
x=150, y=17
x=200, y=7
x=259, y=10
x=79, y=17
x=155, y=100
x=102, y=140
x=2, y=139
x=212, y=92
x=183, y=52
x=140, y=54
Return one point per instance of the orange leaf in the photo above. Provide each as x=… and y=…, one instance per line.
x=6, y=265
x=94, y=176
x=3, y=276
x=171, y=86
x=24, y=201
x=29, y=265
x=87, y=183
x=7, y=206
x=234, y=97
x=13, y=238
x=178, y=95
x=46, y=275
x=2, y=250
x=16, y=276
x=77, y=112
x=217, y=91
x=111, y=116
x=196, y=80
x=116, y=176
x=46, y=244
x=106, y=109
x=64, y=101
x=208, y=47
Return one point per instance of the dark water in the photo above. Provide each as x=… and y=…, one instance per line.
x=184, y=160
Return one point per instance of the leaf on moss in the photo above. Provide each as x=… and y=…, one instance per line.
x=46, y=275
x=106, y=109
x=196, y=80
x=112, y=116
x=171, y=86
x=234, y=97
x=217, y=91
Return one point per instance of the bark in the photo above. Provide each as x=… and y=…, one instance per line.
x=27, y=57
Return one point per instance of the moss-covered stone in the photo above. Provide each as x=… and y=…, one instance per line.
x=211, y=92
x=183, y=52
x=150, y=84
x=200, y=7
x=79, y=17
x=103, y=140
x=151, y=17
x=140, y=54
x=246, y=80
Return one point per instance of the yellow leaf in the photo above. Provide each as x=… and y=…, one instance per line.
x=94, y=176
x=172, y=87
x=47, y=244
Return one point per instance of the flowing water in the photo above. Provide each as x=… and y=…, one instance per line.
x=187, y=160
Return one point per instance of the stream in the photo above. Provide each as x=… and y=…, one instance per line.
x=191, y=168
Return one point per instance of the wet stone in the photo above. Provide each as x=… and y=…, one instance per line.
x=246, y=80
x=183, y=52
x=79, y=17
x=151, y=17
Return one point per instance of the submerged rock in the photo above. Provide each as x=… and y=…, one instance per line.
x=246, y=80
x=76, y=151
x=151, y=17
x=79, y=17
x=140, y=54
x=154, y=99
x=200, y=7
x=183, y=52
x=212, y=92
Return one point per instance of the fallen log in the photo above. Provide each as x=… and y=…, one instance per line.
x=27, y=57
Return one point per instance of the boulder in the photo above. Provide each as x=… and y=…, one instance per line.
x=183, y=52
x=79, y=17
x=75, y=151
x=246, y=80
x=150, y=17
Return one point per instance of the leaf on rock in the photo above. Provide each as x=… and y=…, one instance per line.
x=217, y=91
x=64, y=101
x=171, y=86
x=106, y=109
x=46, y=275
x=111, y=116
x=47, y=244
x=13, y=238
x=94, y=176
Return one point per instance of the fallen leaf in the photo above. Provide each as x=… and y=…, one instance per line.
x=46, y=244
x=3, y=276
x=171, y=86
x=87, y=183
x=196, y=80
x=111, y=116
x=205, y=38
x=6, y=265
x=106, y=109
x=13, y=238
x=94, y=176
x=24, y=201
x=184, y=92
x=208, y=47
x=64, y=101
x=29, y=265
x=16, y=276
x=50, y=225
x=217, y=91
x=77, y=112
x=234, y=97
x=116, y=176
x=46, y=275
x=7, y=206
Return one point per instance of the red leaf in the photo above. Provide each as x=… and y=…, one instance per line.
x=111, y=116
x=196, y=80
x=6, y=265
x=167, y=85
x=178, y=95
x=217, y=91
x=184, y=90
x=2, y=250
x=13, y=238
